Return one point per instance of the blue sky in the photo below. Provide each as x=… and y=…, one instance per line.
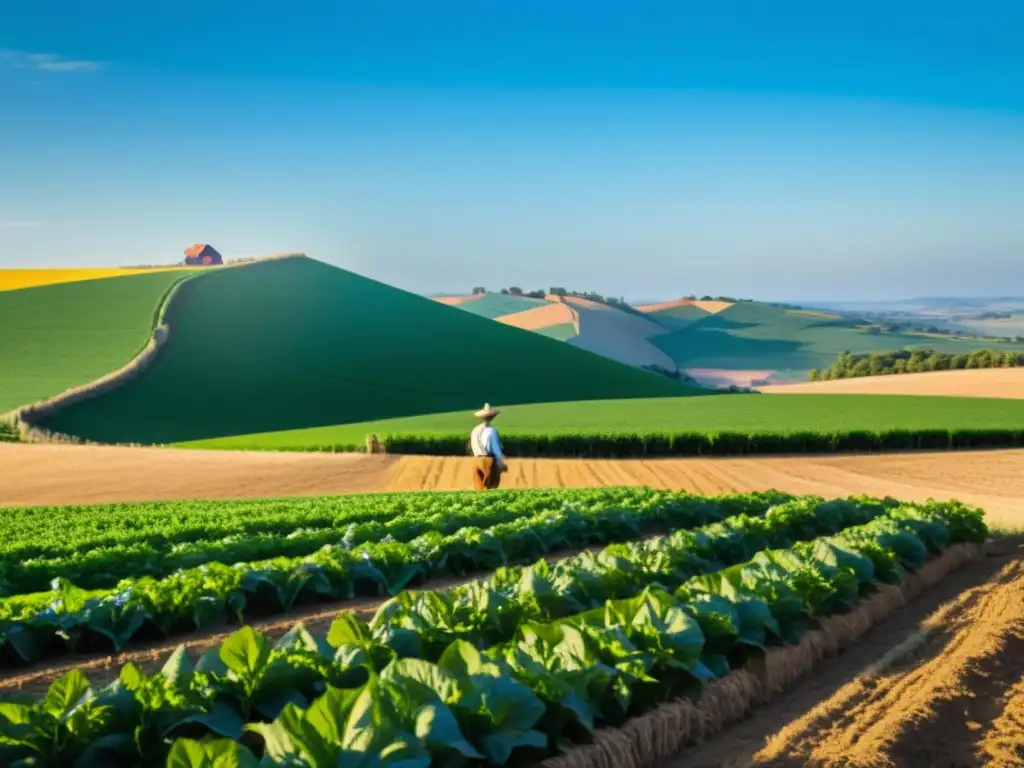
x=783, y=150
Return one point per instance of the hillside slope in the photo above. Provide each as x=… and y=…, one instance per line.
x=297, y=343
x=55, y=337
x=620, y=335
x=784, y=344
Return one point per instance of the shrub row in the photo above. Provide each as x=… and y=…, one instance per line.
x=624, y=445
x=9, y=432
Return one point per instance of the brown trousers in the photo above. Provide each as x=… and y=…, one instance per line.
x=486, y=474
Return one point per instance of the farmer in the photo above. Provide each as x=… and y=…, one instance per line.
x=490, y=460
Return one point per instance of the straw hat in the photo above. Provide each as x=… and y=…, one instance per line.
x=487, y=412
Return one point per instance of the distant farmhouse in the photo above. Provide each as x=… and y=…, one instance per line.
x=200, y=255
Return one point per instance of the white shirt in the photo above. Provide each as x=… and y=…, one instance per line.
x=485, y=442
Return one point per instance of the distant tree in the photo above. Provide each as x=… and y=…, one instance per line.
x=705, y=298
x=558, y=292
x=914, y=361
x=536, y=294
x=515, y=291
x=479, y=290
x=504, y=291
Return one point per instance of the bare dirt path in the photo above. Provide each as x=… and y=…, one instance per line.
x=74, y=474
x=67, y=474
x=976, y=382
x=940, y=684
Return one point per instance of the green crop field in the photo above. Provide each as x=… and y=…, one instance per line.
x=679, y=317
x=496, y=304
x=56, y=337
x=296, y=343
x=778, y=414
x=561, y=332
x=752, y=336
x=508, y=669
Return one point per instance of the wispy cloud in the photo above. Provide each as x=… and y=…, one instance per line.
x=46, y=62
x=15, y=224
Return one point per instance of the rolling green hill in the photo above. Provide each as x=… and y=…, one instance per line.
x=55, y=337
x=777, y=414
x=296, y=343
x=751, y=336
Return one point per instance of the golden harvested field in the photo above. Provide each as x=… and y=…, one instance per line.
x=14, y=279
x=993, y=480
x=976, y=382
x=543, y=316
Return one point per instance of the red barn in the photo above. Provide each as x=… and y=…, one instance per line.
x=200, y=255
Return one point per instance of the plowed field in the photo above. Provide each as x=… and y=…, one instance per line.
x=993, y=480
x=941, y=684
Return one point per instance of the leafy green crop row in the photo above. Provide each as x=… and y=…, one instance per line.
x=96, y=547
x=345, y=700
x=8, y=432
x=36, y=626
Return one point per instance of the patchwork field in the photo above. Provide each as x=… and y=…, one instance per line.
x=979, y=382
x=619, y=335
x=54, y=337
x=756, y=336
x=779, y=416
x=296, y=343
x=17, y=279
x=866, y=610
x=718, y=343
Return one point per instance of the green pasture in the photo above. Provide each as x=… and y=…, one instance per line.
x=494, y=305
x=296, y=343
x=55, y=337
x=780, y=414
x=751, y=336
x=561, y=332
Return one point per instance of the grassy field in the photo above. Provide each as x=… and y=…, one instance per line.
x=496, y=304
x=749, y=335
x=780, y=414
x=59, y=336
x=297, y=343
x=561, y=332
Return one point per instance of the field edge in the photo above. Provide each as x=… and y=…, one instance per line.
x=660, y=735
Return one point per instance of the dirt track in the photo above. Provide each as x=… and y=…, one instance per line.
x=978, y=382
x=938, y=685
x=993, y=480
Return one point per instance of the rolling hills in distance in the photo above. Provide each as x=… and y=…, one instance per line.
x=721, y=343
x=279, y=351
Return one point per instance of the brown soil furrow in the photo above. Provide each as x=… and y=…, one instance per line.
x=786, y=733
x=1003, y=745
x=904, y=717
x=921, y=690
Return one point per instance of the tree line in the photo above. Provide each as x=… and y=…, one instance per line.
x=850, y=366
